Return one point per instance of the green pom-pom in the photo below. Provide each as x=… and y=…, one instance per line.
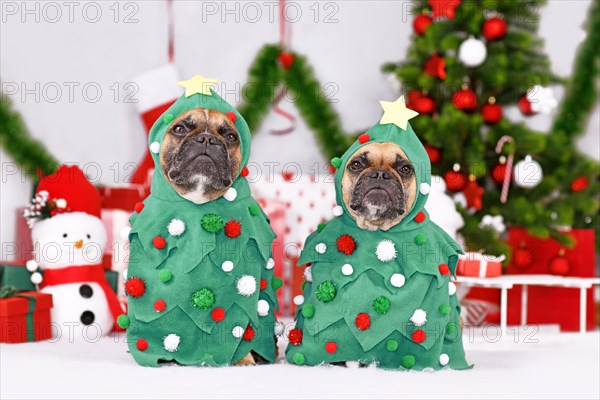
x=326, y=291
x=408, y=361
x=276, y=283
x=254, y=209
x=308, y=310
x=450, y=328
x=165, y=275
x=321, y=226
x=298, y=359
x=336, y=162
x=444, y=309
x=421, y=239
x=381, y=305
x=123, y=321
x=212, y=223
x=168, y=118
x=391, y=345
x=203, y=299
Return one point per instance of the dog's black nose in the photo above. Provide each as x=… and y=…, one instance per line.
x=379, y=174
x=206, y=138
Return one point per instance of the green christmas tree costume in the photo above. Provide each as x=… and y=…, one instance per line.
x=380, y=296
x=200, y=281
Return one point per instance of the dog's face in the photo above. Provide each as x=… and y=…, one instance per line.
x=201, y=154
x=379, y=186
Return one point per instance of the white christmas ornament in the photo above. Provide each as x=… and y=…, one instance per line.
x=424, y=188
x=397, y=280
x=263, y=308
x=542, y=99
x=386, y=250
x=527, y=173
x=299, y=300
x=321, y=248
x=227, y=266
x=176, y=227
x=270, y=263
x=347, y=269
x=472, y=52
x=237, y=332
x=171, y=342
x=246, y=285
x=419, y=317
x=451, y=288
x=337, y=211
x=155, y=147
x=444, y=359
x=230, y=194
x=308, y=274
x=31, y=265
x=36, y=278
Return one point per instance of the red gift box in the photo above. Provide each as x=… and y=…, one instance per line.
x=552, y=305
x=25, y=317
x=479, y=265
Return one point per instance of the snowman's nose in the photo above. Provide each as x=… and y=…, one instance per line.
x=79, y=244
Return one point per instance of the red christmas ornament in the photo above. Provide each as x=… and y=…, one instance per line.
x=444, y=269
x=231, y=115
x=420, y=102
x=263, y=283
x=233, y=229
x=286, y=59
x=160, y=305
x=491, y=112
x=465, y=100
x=159, y=242
x=434, y=153
x=244, y=172
x=421, y=23
x=363, y=321
x=474, y=194
x=580, y=184
x=436, y=67
x=248, y=333
x=295, y=336
x=135, y=287
x=218, y=314
x=331, y=347
x=138, y=207
x=444, y=8
x=346, y=244
x=522, y=257
x=419, y=336
x=525, y=106
x=559, y=265
x=494, y=28
x=141, y=344
x=364, y=138
x=455, y=181
x=499, y=172
x=420, y=217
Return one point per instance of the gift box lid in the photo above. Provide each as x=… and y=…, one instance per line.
x=15, y=274
x=19, y=303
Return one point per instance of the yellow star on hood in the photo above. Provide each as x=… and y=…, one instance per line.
x=198, y=84
x=395, y=112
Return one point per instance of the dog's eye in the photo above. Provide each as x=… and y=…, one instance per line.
x=356, y=166
x=406, y=169
x=179, y=129
x=230, y=137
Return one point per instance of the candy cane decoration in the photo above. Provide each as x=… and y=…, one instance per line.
x=509, y=166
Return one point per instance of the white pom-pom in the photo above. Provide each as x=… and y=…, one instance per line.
x=444, y=359
x=246, y=285
x=424, y=188
x=397, y=280
x=61, y=203
x=279, y=328
x=125, y=273
x=321, y=248
x=386, y=250
x=36, y=278
x=263, y=308
x=419, y=317
x=299, y=300
x=308, y=274
x=155, y=147
x=227, y=266
x=270, y=263
x=171, y=342
x=31, y=265
x=237, y=332
x=451, y=288
x=176, y=227
x=230, y=194
x=337, y=211
x=347, y=269
x=125, y=232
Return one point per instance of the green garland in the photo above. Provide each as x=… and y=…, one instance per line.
x=266, y=74
x=27, y=152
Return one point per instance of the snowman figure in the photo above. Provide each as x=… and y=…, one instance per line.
x=69, y=238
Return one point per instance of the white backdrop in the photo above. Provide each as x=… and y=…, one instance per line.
x=59, y=47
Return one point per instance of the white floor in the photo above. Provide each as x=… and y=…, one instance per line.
x=546, y=364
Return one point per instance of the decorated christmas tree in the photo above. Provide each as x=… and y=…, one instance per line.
x=469, y=61
x=380, y=296
x=200, y=280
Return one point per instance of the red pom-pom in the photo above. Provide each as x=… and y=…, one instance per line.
x=580, y=184
x=420, y=217
x=248, y=333
x=465, y=99
x=434, y=153
x=421, y=23
x=159, y=242
x=244, y=173
x=135, y=287
x=363, y=321
x=364, y=138
x=263, y=283
x=525, y=106
x=491, y=113
x=160, y=305
x=444, y=269
x=346, y=244
x=233, y=229
x=455, y=181
x=138, y=207
x=218, y=314
x=419, y=336
x=231, y=115
x=331, y=347
x=141, y=344
x=494, y=28
x=295, y=336
x=286, y=59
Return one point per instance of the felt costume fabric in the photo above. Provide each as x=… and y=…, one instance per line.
x=194, y=292
x=381, y=296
